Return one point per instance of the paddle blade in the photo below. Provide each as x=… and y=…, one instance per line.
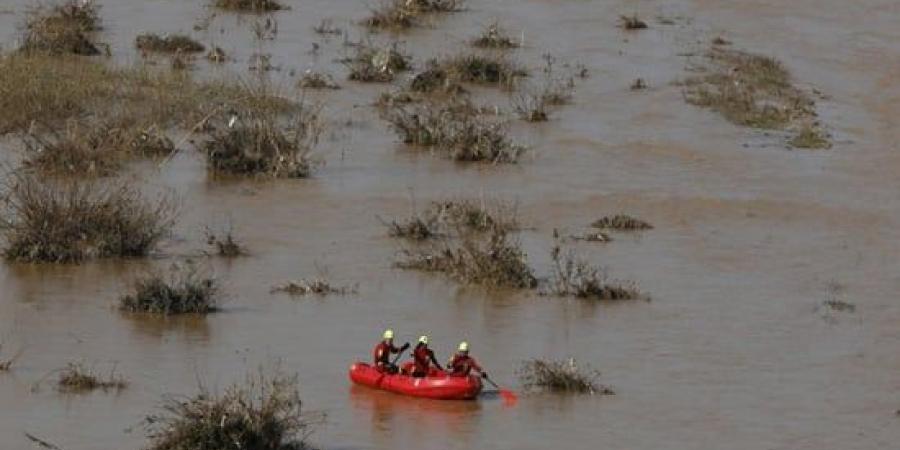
x=509, y=397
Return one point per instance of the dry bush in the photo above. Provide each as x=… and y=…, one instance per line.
x=255, y=142
x=70, y=221
x=494, y=36
x=561, y=376
x=93, y=149
x=415, y=227
x=632, y=22
x=316, y=80
x=63, y=28
x=403, y=14
x=152, y=42
x=482, y=68
x=318, y=286
x=326, y=26
x=638, y=84
x=621, y=222
x=76, y=377
x=749, y=90
x=184, y=290
x=224, y=242
x=455, y=129
x=573, y=277
x=217, y=55
x=493, y=260
x=436, y=6
x=460, y=215
x=249, y=5
x=377, y=64
x=810, y=136
x=263, y=413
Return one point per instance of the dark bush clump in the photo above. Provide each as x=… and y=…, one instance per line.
x=316, y=80
x=622, y=222
x=632, y=22
x=249, y=5
x=64, y=28
x=76, y=377
x=561, y=376
x=318, y=286
x=478, y=68
x=456, y=130
x=183, y=291
x=494, y=36
x=255, y=143
x=151, y=42
x=492, y=261
x=461, y=215
x=50, y=221
x=261, y=414
x=576, y=278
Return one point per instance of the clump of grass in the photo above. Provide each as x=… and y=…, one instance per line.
x=532, y=103
x=561, y=376
x=317, y=80
x=483, y=68
x=63, y=28
x=638, y=84
x=632, y=22
x=596, y=236
x=462, y=215
x=492, y=261
x=249, y=5
x=217, y=55
x=531, y=107
x=377, y=64
x=263, y=413
x=573, y=277
x=494, y=36
x=318, y=286
x=71, y=221
x=749, y=90
x=436, y=6
x=810, y=136
x=326, y=26
x=719, y=40
x=455, y=129
x=415, y=227
x=86, y=149
x=391, y=15
x=255, y=143
x=76, y=377
x=621, y=222
x=182, y=291
x=152, y=42
x=225, y=243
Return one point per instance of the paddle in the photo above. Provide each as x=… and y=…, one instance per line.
x=509, y=397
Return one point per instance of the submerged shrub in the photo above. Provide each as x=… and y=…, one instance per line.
x=481, y=68
x=70, y=221
x=810, y=136
x=249, y=5
x=172, y=43
x=576, y=278
x=183, y=291
x=622, y=222
x=494, y=36
x=263, y=413
x=632, y=22
x=391, y=14
x=561, y=376
x=456, y=130
x=316, y=80
x=377, y=64
x=63, y=28
x=318, y=286
x=256, y=143
x=76, y=377
x=749, y=90
x=462, y=215
x=492, y=261
x=225, y=243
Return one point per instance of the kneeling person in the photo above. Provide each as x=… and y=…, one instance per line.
x=383, y=351
x=461, y=364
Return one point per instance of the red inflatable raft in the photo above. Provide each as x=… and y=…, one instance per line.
x=437, y=385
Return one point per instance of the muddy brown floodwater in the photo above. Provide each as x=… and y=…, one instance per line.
x=731, y=353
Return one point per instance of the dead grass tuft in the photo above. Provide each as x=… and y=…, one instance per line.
x=318, y=286
x=573, y=277
x=76, y=377
x=749, y=90
x=484, y=69
x=403, y=14
x=638, y=84
x=63, y=28
x=56, y=221
x=317, y=80
x=494, y=36
x=456, y=215
x=377, y=64
x=151, y=42
x=254, y=142
x=224, y=242
x=494, y=260
x=454, y=129
x=621, y=222
x=811, y=137
x=263, y=413
x=561, y=376
x=184, y=290
x=255, y=6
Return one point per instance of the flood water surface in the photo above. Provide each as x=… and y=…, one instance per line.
x=735, y=350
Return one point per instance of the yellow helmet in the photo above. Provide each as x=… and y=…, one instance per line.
x=423, y=340
x=388, y=334
x=463, y=346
